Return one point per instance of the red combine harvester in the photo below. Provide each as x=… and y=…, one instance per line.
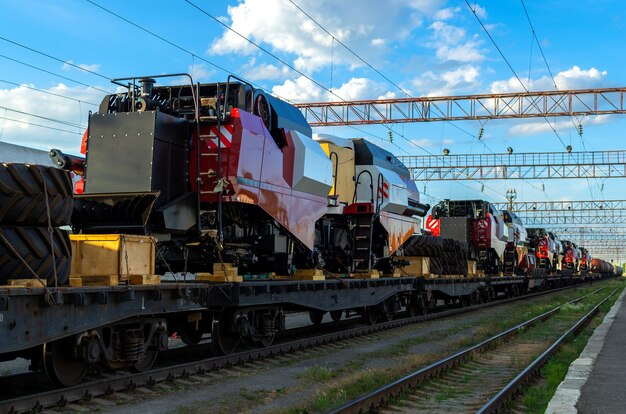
x=477, y=223
x=225, y=173
x=571, y=256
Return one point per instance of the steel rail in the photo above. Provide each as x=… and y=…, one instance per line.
x=379, y=398
x=509, y=390
x=125, y=381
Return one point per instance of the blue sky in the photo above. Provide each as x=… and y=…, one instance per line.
x=427, y=47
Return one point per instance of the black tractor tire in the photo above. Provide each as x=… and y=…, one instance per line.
x=32, y=244
x=23, y=199
x=436, y=266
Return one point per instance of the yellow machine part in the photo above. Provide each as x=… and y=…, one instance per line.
x=343, y=171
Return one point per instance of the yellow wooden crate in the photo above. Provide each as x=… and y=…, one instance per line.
x=418, y=266
x=112, y=254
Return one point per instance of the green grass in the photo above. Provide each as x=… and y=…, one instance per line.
x=317, y=373
x=359, y=384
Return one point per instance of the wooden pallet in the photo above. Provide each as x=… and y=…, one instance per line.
x=374, y=274
x=94, y=280
x=208, y=277
x=309, y=274
x=25, y=283
x=145, y=279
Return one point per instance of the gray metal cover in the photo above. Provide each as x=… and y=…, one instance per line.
x=24, y=155
x=136, y=152
x=457, y=228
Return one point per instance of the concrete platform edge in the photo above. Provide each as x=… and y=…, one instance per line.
x=568, y=392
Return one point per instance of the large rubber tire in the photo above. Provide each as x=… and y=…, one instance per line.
x=23, y=199
x=33, y=245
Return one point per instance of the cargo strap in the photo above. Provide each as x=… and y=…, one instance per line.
x=50, y=233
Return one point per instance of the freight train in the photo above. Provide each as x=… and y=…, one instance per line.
x=229, y=178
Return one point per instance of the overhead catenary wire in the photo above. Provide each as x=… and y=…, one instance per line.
x=473, y=10
x=19, y=85
x=495, y=44
x=65, y=62
x=40, y=126
x=391, y=82
x=181, y=48
x=556, y=87
x=54, y=74
x=58, y=121
x=194, y=55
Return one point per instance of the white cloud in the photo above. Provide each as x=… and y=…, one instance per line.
x=279, y=26
x=200, y=72
x=267, y=71
x=299, y=90
x=26, y=100
x=359, y=88
x=452, y=44
x=447, y=13
x=462, y=79
x=378, y=42
x=572, y=78
x=540, y=127
x=94, y=67
x=423, y=142
x=303, y=90
x=480, y=11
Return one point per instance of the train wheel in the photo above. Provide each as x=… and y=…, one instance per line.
x=465, y=301
x=415, y=306
x=61, y=365
x=223, y=341
x=387, y=313
x=431, y=301
x=336, y=315
x=317, y=316
x=371, y=315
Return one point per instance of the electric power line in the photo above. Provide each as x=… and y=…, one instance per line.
x=54, y=74
x=65, y=62
x=40, y=126
x=58, y=121
x=47, y=92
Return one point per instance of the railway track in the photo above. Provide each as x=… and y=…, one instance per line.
x=483, y=377
x=198, y=369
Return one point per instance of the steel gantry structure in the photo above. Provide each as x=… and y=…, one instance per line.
x=542, y=206
x=577, y=102
x=571, y=213
x=580, y=218
x=533, y=165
